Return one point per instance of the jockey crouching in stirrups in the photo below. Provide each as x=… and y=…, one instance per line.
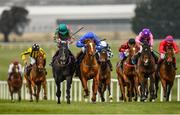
x=80, y=44
x=33, y=53
x=167, y=42
x=11, y=67
x=144, y=36
x=62, y=34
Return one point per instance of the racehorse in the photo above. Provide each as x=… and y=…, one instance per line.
x=105, y=75
x=146, y=69
x=15, y=82
x=90, y=69
x=127, y=76
x=167, y=72
x=63, y=69
x=37, y=78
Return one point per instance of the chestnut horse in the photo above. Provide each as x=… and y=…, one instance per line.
x=128, y=77
x=105, y=75
x=63, y=68
x=167, y=72
x=146, y=69
x=90, y=69
x=15, y=82
x=37, y=78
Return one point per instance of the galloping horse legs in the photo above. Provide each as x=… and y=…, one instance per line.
x=169, y=86
x=143, y=89
x=122, y=88
x=19, y=95
x=69, y=81
x=38, y=91
x=58, y=92
x=164, y=87
x=108, y=82
x=45, y=89
x=95, y=88
x=84, y=84
x=136, y=91
x=152, y=87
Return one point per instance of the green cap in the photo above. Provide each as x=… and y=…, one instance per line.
x=63, y=30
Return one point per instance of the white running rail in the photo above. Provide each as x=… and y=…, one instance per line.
x=76, y=90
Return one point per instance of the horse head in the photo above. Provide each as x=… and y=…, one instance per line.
x=15, y=69
x=90, y=47
x=169, y=54
x=133, y=49
x=63, y=55
x=103, y=56
x=146, y=54
x=40, y=62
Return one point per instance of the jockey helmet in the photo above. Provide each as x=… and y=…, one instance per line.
x=103, y=44
x=35, y=47
x=62, y=29
x=89, y=35
x=169, y=39
x=131, y=41
x=145, y=33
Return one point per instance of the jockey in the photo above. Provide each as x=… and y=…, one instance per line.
x=80, y=43
x=104, y=45
x=144, y=36
x=168, y=41
x=62, y=34
x=33, y=53
x=123, y=50
x=11, y=67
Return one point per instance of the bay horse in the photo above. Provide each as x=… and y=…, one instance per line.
x=90, y=69
x=167, y=72
x=127, y=76
x=146, y=69
x=63, y=69
x=105, y=75
x=15, y=82
x=37, y=78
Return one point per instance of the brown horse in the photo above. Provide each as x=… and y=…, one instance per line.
x=128, y=77
x=105, y=75
x=36, y=78
x=90, y=69
x=146, y=69
x=167, y=72
x=15, y=82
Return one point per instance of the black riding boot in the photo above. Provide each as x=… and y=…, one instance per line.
x=110, y=65
x=155, y=57
x=174, y=63
x=29, y=70
x=53, y=58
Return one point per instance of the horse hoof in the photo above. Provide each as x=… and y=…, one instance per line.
x=111, y=100
x=68, y=102
x=94, y=100
x=58, y=102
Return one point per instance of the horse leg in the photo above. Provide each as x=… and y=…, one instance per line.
x=38, y=91
x=142, y=89
x=151, y=88
x=103, y=90
x=95, y=87
x=12, y=99
x=45, y=89
x=100, y=91
x=136, y=83
x=169, y=87
x=84, y=84
x=58, y=92
x=109, y=89
x=163, y=82
x=156, y=85
x=122, y=88
x=69, y=81
x=19, y=95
